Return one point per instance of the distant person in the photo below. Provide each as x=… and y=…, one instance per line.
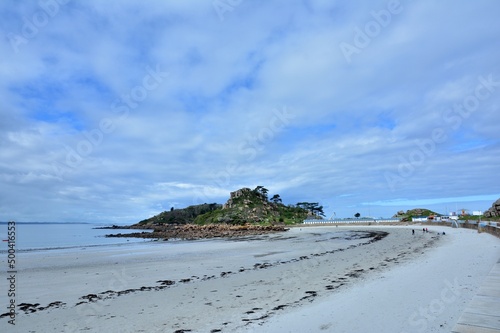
x=423, y=229
x=444, y=233
x=413, y=231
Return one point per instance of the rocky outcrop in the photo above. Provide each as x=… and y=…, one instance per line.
x=244, y=206
x=494, y=211
x=416, y=212
x=248, y=206
x=191, y=231
x=233, y=196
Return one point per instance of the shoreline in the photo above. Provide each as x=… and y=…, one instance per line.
x=211, y=285
x=195, y=232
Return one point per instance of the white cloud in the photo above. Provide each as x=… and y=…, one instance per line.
x=70, y=150
x=427, y=202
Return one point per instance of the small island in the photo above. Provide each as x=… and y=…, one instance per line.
x=247, y=212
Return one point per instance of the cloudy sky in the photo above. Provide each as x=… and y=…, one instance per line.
x=114, y=111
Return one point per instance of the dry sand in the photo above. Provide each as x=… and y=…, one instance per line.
x=304, y=280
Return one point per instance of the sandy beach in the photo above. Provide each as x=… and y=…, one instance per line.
x=304, y=280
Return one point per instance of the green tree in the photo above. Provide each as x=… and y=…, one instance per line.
x=313, y=207
x=261, y=190
x=318, y=210
x=357, y=215
x=276, y=199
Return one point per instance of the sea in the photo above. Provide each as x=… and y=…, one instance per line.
x=38, y=236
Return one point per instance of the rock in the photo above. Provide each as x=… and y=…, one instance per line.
x=494, y=211
x=235, y=195
x=192, y=231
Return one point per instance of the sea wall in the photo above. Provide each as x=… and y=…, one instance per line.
x=495, y=231
x=492, y=228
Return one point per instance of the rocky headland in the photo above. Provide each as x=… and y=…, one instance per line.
x=247, y=212
x=493, y=211
x=416, y=212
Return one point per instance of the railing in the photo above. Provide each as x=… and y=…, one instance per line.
x=350, y=221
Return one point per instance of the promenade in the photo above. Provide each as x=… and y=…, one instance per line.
x=482, y=314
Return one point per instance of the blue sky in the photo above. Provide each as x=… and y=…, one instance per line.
x=113, y=111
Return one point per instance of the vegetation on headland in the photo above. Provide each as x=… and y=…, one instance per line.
x=245, y=206
x=416, y=212
x=181, y=216
x=247, y=212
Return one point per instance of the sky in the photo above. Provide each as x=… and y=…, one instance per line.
x=114, y=111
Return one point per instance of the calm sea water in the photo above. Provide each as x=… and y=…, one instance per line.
x=44, y=236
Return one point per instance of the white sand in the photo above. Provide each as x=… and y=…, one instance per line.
x=389, y=285
x=426, y=295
